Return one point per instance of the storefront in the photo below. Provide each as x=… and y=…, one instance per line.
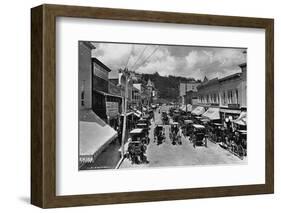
x=186, y=108
x=94, y=137
x=198, y=111
x=212, y=114
x=241, y=122
x=108, y=107
x=228, y=115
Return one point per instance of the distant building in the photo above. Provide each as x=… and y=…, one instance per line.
x=144, y=93
x=136, y=97
x=208, y=92
x=136, y=77
x=151, y=91
x=188, y=92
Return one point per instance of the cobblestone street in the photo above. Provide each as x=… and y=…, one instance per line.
x=167, y=154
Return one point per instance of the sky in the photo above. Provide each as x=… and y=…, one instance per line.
x=186, y=61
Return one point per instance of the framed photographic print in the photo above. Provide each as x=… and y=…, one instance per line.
x=136, y=106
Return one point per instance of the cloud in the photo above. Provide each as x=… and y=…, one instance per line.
x=187, y=61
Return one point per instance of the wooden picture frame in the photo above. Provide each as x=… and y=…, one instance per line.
x=43, y=105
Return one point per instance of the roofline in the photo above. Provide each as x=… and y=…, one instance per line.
x=101, y=64
x=88, y=44
x=243, y=65
x=230, y=76
x=209, y=82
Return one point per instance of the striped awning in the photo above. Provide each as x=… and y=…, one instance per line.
x=212, y=113
x=198, y=111
x=242, y=119
x=94, y=136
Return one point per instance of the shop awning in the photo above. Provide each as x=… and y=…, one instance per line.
x=198, y=111
x=188, y=106
x=94, y=136
x=137, y=114
x=128, y=113
x=242, y=119
x=107, y=94
x=212, y=114
x=137, y=111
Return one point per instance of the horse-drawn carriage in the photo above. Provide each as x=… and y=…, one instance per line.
x=175, y=133
x=144, y=123
x=165, y=118
x=216, y=132
x=198, y=135
x=136, y=146
x=145, y=119
x=144, y=127
x=159, y=134
x=176, y=116
x=187, y=127
x=238, y=144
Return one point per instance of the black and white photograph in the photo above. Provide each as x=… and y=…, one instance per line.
x=154, y=105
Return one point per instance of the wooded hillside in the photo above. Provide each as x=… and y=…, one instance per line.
x=167, y=86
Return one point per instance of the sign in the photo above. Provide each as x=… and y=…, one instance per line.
x=100, y=72
x=233, y=106
x=230, y=111
x=112, y=109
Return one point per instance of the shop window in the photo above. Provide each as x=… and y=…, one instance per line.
x=82, y=98
x=83, y=94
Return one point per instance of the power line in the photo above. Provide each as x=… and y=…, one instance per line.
x=145, y=60
x=129, y=56
x=139, y=57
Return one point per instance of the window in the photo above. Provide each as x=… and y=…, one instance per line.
x=224, y=98
x=82, y=98
x=237, y=96
x=83, y=93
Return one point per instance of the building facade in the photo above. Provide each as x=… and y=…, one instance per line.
x=136, y=97
x=85, y=76
x=106, y=98
x=151, y=91
x=98, y=110
x=229, y=94
x=188, y=93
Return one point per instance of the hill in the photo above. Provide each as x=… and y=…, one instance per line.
x=167, y=86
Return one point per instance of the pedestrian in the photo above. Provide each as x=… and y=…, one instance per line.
x=179, y=133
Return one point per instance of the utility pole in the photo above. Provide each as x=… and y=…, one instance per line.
x=125, y=115
x=185, y=102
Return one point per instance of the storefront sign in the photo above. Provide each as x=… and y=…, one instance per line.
x=234, y=106
x=112, y=109
x=230, y=111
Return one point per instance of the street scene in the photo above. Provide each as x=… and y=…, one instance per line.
x=146, y=105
